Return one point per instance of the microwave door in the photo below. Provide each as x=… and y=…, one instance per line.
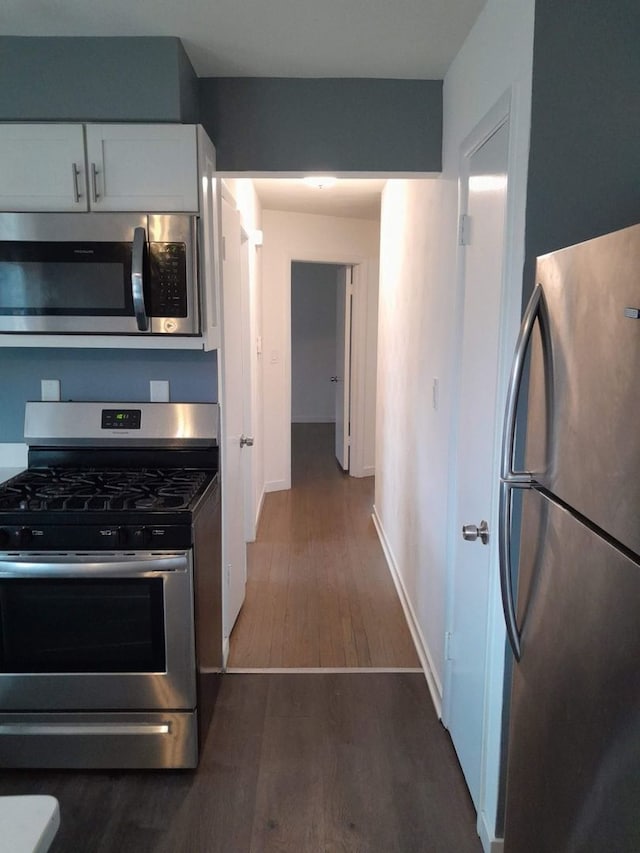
x=72, y=274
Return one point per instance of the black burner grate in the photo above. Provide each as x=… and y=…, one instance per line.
x=102, y=490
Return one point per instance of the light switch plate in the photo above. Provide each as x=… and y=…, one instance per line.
x=50, y=390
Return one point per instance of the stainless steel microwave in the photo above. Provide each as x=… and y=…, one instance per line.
x=79, y=273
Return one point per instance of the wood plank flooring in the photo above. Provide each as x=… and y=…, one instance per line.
x=319, y=592
x=336, y=763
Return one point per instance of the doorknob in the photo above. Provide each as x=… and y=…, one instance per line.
x=335, y=379
x=246, y=441
x=471, y=532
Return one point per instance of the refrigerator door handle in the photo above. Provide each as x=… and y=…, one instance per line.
x=506, y=584
x=533, y=311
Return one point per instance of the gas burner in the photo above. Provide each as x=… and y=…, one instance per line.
x=60, y=489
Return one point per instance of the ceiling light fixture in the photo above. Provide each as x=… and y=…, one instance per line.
x=320, y=182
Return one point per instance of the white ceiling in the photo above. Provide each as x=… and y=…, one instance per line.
x=271, y=38
x=352, y=198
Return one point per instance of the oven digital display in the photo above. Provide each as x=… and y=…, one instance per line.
x=121, y=418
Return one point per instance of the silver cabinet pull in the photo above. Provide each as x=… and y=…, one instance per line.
x=75, y=172
x=246, y=441
x=137, y=279
x=472, y=532
x=94, y=181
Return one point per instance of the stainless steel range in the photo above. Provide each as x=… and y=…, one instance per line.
x=110, y=587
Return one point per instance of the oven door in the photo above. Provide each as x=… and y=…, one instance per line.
x=97, y=631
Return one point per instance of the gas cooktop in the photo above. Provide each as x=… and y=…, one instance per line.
x=64, y=489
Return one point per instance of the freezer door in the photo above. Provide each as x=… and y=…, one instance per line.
x=573, y=782
x=583, y=442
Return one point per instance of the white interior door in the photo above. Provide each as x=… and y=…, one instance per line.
x=482, y=232
x=342, y=376
x=248, y=458
x=234, y=553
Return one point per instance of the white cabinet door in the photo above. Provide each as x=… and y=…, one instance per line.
x=42, y=167
x=149, y=167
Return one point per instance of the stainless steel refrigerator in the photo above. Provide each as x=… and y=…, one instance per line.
x=573, y=611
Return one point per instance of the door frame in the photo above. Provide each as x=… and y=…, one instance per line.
x=507, y=108
x=358, y=353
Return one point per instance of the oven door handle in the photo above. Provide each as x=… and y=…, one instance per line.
x=81, y=567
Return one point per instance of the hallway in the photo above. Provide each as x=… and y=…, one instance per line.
x=319, y=592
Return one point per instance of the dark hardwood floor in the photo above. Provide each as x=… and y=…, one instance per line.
x=319, y=592
x=335, y=763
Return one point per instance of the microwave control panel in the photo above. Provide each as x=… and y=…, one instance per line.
x=168, y=280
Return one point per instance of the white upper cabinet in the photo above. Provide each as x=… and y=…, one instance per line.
x=209, y=242
x=142, y=167
x=42, y=167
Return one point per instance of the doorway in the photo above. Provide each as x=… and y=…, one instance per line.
x=321, y=345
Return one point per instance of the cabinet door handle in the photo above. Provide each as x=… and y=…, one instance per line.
x=94, y=181
x=76, y=187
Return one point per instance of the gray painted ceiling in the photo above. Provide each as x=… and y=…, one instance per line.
x=271, y=38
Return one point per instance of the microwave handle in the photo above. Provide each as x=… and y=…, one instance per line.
x=137, y=279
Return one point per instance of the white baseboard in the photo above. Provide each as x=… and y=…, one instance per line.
x=13, y=455
x=369, y=471
x=426, y=660
x=489, y=843
x=276, y=486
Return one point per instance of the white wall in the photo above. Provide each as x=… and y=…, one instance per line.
x=313, y=342
x=418, y=339
x=308, y=237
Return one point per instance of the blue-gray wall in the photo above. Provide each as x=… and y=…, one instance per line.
x=361, y=125
x=96, y=79
x=584, y=165
x=100, y=374
x=313, y=342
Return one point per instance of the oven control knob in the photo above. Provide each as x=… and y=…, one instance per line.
x=25, y=536
x=139, y=537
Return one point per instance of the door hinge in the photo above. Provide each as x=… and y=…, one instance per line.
x=447, y=646
x=464, y=230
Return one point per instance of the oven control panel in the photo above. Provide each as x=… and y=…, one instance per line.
x=95, y=537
